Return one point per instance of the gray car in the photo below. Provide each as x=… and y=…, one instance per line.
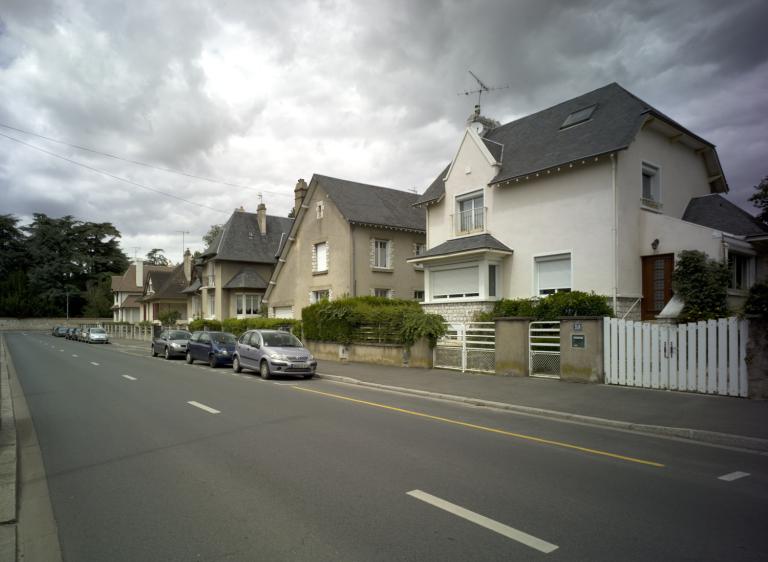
x=273, y=352
x=171, y=343
x=97, y=335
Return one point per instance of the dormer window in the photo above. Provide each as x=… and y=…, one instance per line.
x=578, y=117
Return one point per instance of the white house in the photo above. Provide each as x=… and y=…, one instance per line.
x=587, y=195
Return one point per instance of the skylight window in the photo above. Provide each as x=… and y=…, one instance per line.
x=578, y=116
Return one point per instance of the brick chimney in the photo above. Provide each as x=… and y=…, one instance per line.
x=188, y=265
x=299, y=192
x=261, y=216
x=139, y=272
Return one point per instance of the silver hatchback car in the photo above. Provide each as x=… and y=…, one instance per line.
x=96, y=335
x=273, y=352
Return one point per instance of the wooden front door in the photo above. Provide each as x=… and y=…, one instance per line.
x=657, y=284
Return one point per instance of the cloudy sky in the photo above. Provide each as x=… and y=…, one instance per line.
x=256, y=94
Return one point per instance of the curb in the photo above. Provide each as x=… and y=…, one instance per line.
x=699, y=435
x=8, y=463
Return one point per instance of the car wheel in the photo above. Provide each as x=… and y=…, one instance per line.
x=236, y=365
x=189, y=358
x=167, y=353
x=264, y=370
x=212, y=362
x=154, y=353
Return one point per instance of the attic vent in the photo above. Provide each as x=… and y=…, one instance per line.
x=578, y=116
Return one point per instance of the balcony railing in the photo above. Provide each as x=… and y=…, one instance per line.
x=470, y=221
x=210, y=281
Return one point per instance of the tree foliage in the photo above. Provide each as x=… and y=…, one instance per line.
x=760, y=199
x=156, y=257
x=702, y=284
x=52, y=260
x=211, y=235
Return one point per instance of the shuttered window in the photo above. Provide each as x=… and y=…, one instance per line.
x=455, y=283
x=553, y=274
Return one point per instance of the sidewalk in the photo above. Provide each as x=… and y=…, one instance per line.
x=715, y=419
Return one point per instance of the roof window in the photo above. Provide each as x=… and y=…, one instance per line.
x=578, y=116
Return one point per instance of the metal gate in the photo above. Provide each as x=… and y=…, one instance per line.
x=467, y=347
x=544, y=349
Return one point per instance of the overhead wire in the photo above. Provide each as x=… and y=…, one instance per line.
x=111, y=175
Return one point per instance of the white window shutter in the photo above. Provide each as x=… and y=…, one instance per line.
x=330, y=294
x=314, y=257
x=391, y=293
x=390, y=254
x=311, y=297
x=373, y=252
x=327, y=257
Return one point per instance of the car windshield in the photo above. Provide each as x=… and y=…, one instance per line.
x=223, y=338
x=97, y=331
x=179, y=335
x=280, y=339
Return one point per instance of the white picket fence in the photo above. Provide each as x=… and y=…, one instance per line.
x=706, y=357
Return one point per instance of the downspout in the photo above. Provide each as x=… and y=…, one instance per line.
x=615, y=235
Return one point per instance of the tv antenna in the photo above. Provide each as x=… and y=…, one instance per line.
x=483, y=88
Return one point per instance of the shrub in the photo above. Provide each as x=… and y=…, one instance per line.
x=202, y=324
x=169, y=317
x=551, y=307
x=702, y=284
x=757, y=301
x=239, y=325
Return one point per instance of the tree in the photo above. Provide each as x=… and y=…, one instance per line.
x=702, y=284
x=155, y=257
x=169, y=317
x=292, y=213
x=760, y=199
x=12, y=255
x=98, y=297
x=212, y=234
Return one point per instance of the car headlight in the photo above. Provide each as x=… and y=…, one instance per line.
x=274, y=355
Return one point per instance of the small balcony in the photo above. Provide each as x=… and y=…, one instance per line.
x=210, y=281
x=471, y=221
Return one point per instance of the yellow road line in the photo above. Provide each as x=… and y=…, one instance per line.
x=489, y=429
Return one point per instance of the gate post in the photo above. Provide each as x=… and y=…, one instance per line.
x=581, y=349
x=512, y=346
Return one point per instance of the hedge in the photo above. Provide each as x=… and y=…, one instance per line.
x=239, y=325
x=399, y=320
x=551, y=307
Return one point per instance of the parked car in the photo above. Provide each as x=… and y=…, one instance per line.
x=97, y=335
x=83, y=334
x=70, y=333
x=59, y=331
x=215, y=348
x=170, y=343
x=273, y=352
x=77, y=334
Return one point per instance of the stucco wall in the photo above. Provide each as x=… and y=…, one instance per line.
x=7, y=324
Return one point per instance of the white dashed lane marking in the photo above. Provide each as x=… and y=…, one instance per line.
x=203, y=407
x=94, y=363
x=129, y=377
x=730, y=477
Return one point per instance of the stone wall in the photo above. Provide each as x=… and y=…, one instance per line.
x=7, y=324
x=460, y=312
x=623, y=304
x=419, y=355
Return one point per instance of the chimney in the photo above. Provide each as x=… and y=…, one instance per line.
x=188, y=265
x=139, y=272
x=261, y=216
x=299, y=192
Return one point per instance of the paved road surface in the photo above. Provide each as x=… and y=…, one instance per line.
x=148, y=459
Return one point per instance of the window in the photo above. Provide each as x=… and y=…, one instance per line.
x=651, y=186
x=470, y=213
x=455, y=283
x=419, y=248
x=578, y=117
x=553, y=274
x=418, y=295
x=247, y=305
x=321, y=295
x=320, y=257
x=381, y=254
x=385, y=293
x=211, y=305
x=740, y=268
x=491, y=280
x=319, y=208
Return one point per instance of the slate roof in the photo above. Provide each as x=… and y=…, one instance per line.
x=361, y=203
x=246, y=278
x=131, y=301
x=715, y=211
x=537, y=142
x=127, y=281
x=167, y=284
x=193, y=287
x=465, y=244
x=241, y=240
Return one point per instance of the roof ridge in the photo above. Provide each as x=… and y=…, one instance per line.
x=365, y=184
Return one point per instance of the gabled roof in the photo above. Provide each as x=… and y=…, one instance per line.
x=539, y=141
x=715, y=211
x=436, y=189
x=246, y=278
x=166, y=284
x=127, y=281
x=241, y=240
x=372, y=205
x=464, y=244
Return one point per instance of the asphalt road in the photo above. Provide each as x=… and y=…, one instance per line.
x=148, y=459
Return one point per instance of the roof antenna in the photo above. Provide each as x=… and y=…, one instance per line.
x=480, y=90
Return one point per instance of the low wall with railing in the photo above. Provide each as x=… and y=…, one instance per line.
x=396, y=355
x=8, y=324
x=141, y=332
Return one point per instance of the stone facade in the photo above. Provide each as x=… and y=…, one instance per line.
x=458, y=312
x=624, y=304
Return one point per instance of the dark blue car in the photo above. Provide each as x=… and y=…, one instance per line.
x=214, y=348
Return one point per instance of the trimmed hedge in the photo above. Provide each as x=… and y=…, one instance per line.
x=239, y=325
x=201, y=324
x=551, y=307
x=757, y=301
x=340, y=320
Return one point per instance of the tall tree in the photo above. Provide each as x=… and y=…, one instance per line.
x=211, y=235
x=155, y=257
x=760, y=199
x=12, y=255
